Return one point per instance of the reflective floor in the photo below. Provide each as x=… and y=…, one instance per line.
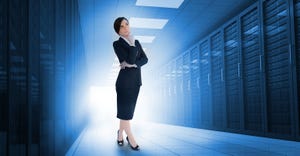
x=160, y=139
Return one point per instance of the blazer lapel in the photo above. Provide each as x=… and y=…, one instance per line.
x=121, y=40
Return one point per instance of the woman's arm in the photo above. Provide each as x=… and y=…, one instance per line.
x=142, y=58
x=125, y=64
x=119, y=51
x=121, y=54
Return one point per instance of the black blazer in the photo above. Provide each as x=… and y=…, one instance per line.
x=129, y=77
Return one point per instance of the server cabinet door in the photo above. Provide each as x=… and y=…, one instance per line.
x=195, y=86
x=252, y=70
x=206, y=111
x=277, y=66
x=232, y=75
x=218, y=102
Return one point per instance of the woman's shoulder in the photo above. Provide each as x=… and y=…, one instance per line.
x=121, y=43
x=116, y=43
x=137, y=42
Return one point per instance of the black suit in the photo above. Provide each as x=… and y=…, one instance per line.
x=129, y=79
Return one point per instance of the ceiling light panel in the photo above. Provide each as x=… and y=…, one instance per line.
x=160, y=3
x=149, y=23
x=145, y=39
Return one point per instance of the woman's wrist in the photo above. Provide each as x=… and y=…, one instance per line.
x=132, y=65
x=125, y=64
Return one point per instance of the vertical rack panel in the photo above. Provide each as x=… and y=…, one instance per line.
x=217, y=78
x=4, y=76
x=186, y=77
x=60, y=74
x=195, y=86
x=205, y=84
x=34, y=77
x=297, y=50
x=18, y=77
x=252, y=69
x=173, y=93
x=180, y=109
x=47, y=62
x=232, y=75
x=169, y=92
x=277, y=66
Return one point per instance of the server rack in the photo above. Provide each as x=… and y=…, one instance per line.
x=163, y=100
x=60, y=71
x=260, y=67
x=195, y=86
x=168, y=100
x=232, y=75
x=173, y=92
x=47, y=73
x=205, y=81
x=34, y=92
x=33, y=68
x=277, y=67
x=167, y=79
x=297, y=54
x=217, y=92
x=18, y=79
x=180, y=109
x=4, y=76
x=252, y=70
x=186, y=81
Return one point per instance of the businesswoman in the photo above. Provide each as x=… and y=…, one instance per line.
x=131, y=57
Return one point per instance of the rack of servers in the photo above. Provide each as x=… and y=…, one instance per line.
x=243, y=77
x=42, y=61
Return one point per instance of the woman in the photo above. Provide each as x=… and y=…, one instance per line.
x=131, y=57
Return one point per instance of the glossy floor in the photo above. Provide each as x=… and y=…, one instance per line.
x=160, y=139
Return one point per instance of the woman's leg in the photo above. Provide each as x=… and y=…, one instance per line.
x=121, y=129
x=125, y=125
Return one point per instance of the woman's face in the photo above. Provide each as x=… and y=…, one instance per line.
x=124, y=28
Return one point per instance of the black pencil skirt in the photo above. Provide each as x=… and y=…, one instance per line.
x=126, y=101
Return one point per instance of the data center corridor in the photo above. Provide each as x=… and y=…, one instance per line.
x=222, y=77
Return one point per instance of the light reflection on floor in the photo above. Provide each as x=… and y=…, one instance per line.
x=160, y=139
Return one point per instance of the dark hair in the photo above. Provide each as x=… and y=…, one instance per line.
x=117, y=23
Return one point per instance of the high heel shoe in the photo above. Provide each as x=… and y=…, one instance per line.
x=136, y=148
x=120, y=143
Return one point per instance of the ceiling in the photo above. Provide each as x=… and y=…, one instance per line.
x=188, y=24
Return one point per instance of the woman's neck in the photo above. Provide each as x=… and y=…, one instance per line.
x=125, y=36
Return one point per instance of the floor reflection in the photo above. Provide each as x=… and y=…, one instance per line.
x=160, y=139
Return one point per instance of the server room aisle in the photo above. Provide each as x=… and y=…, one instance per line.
x=160, y=139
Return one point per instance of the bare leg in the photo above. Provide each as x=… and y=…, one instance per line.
x=121, y=129
x=125, y=125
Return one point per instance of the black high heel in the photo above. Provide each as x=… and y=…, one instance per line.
x=120, y=143
x=136, y=148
